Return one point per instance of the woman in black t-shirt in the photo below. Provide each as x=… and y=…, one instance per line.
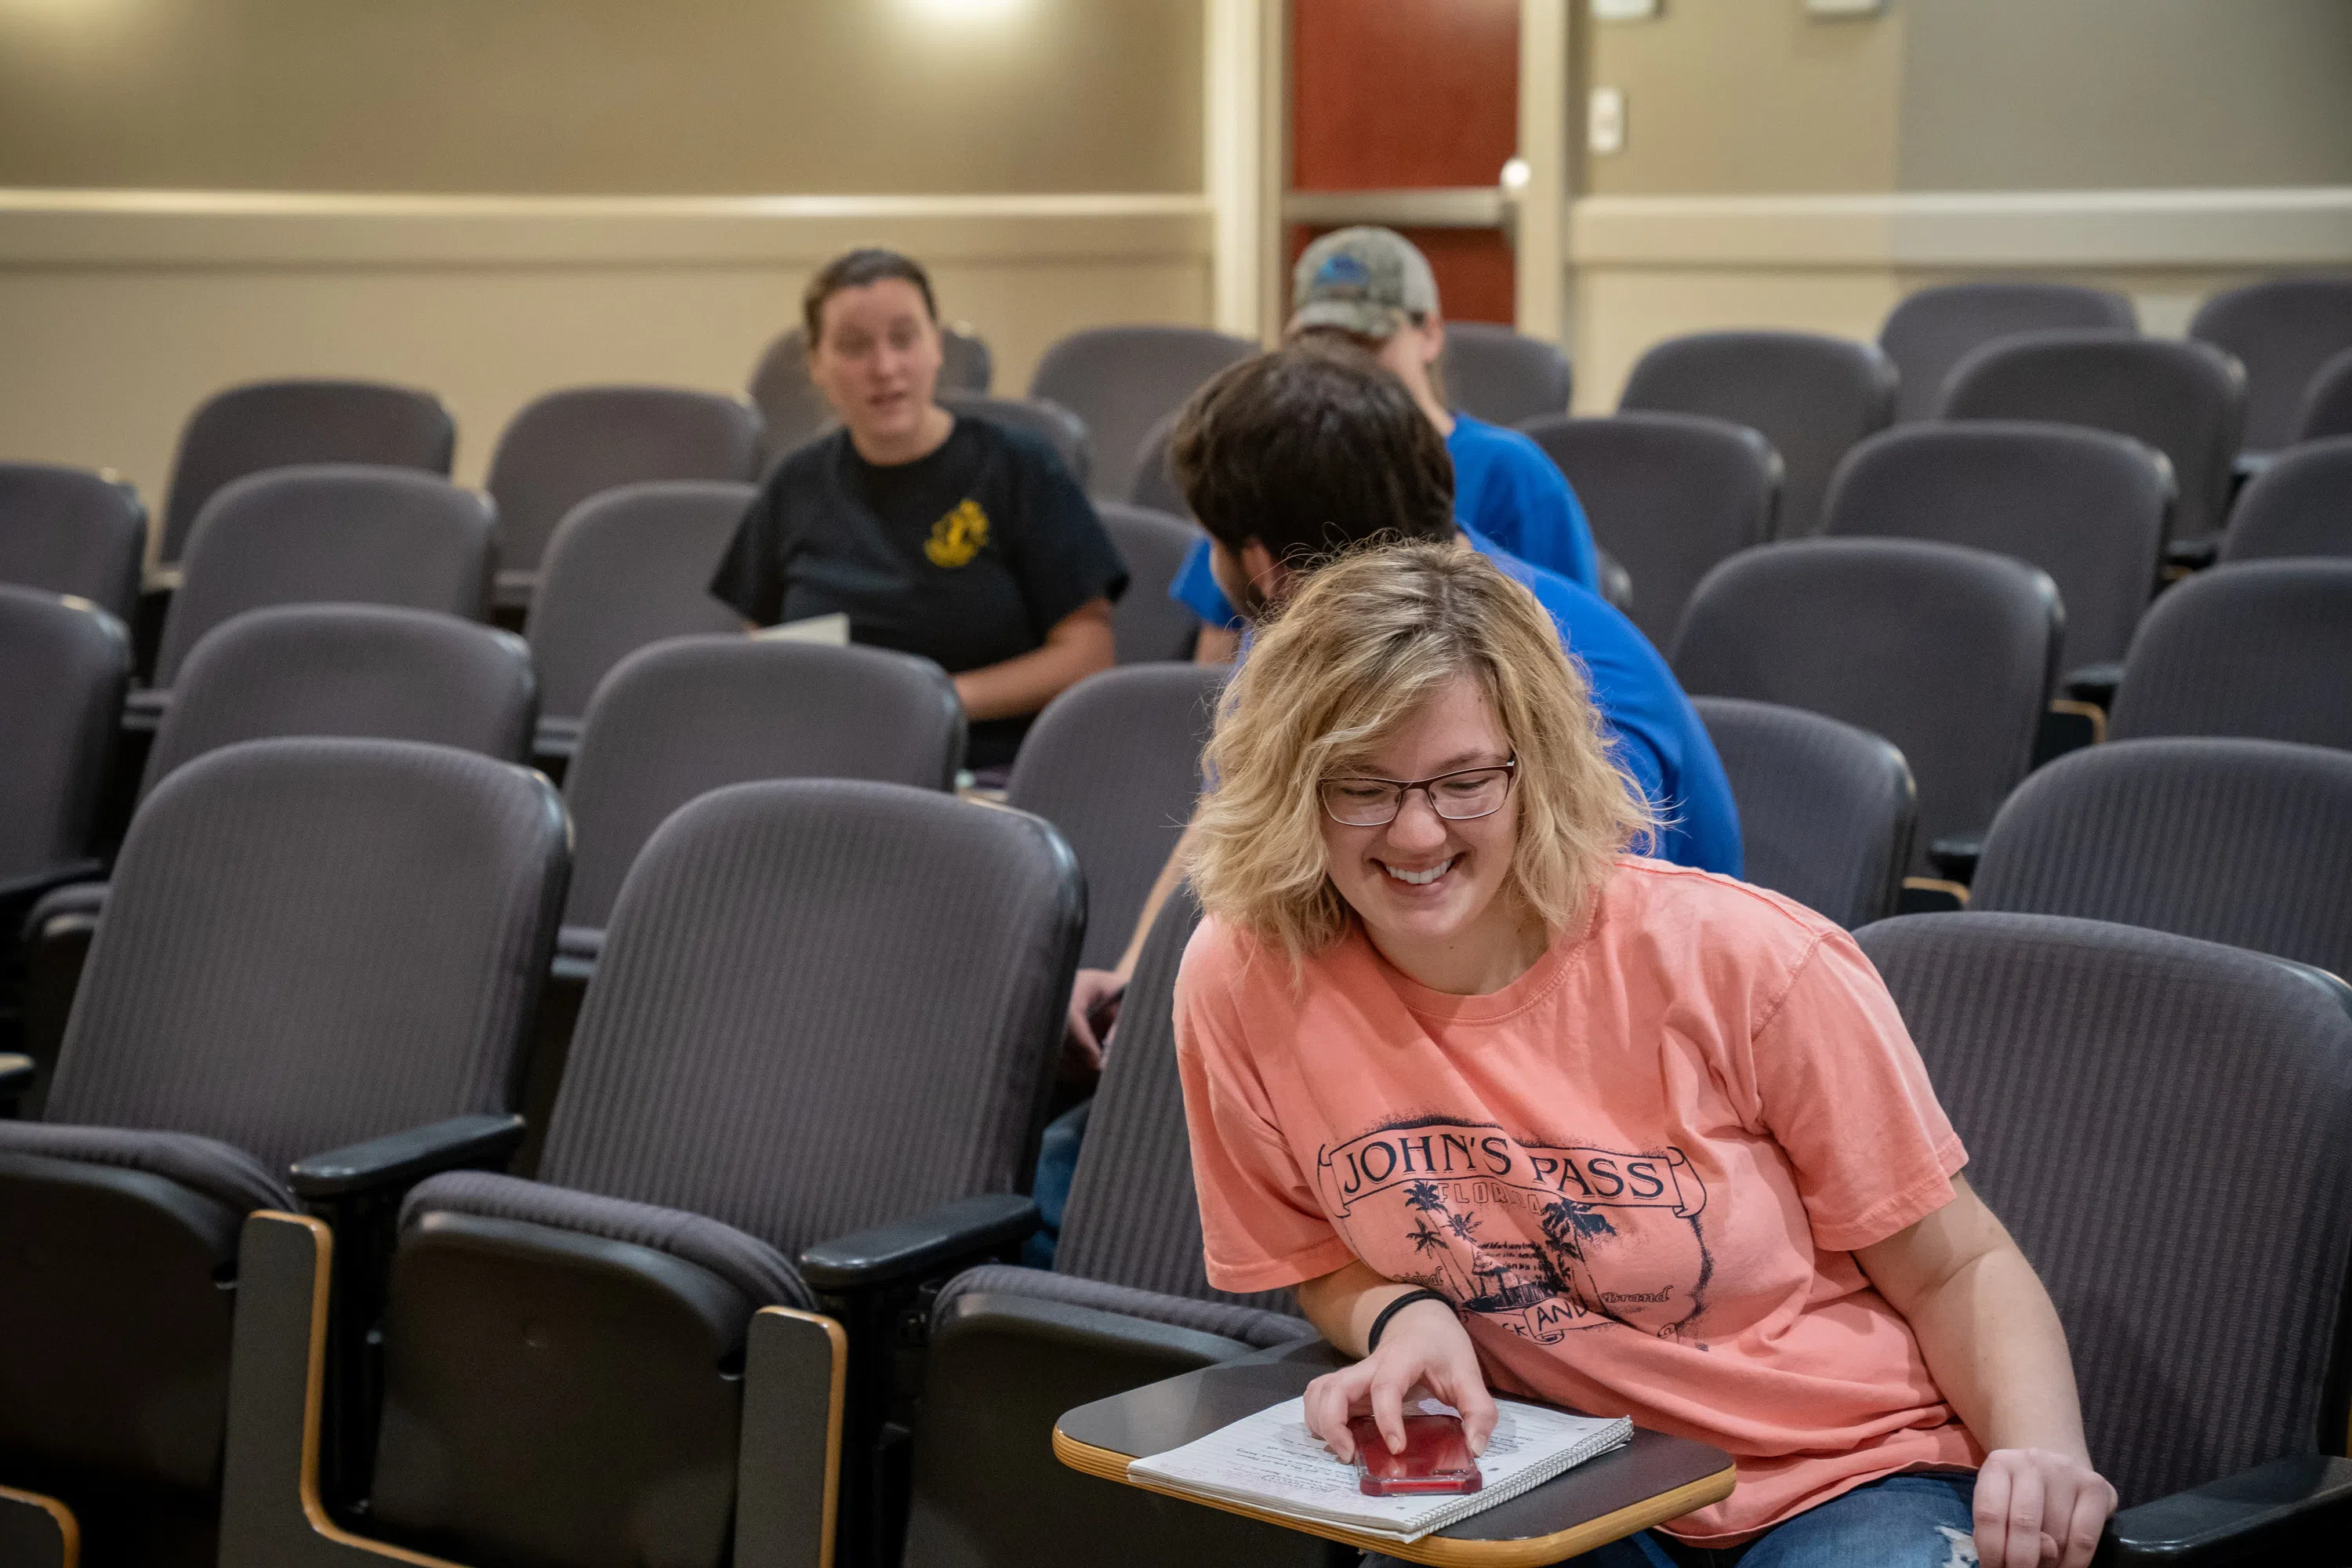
x=937, y=534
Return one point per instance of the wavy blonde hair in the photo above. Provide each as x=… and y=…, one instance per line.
x=1365, y=642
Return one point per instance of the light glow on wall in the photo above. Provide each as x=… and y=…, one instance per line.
x=965, y=10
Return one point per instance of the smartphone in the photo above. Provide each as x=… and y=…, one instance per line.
x=1437, y=1457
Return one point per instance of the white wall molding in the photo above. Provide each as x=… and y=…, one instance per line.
x=2299, y=226
x=182, y=228
x=1234, y=127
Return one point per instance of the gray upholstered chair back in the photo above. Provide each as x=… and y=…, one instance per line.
x=1154, y=486
x=2262, y=650
x=1934, y=328
x=1146, y=623
x=567, y=445
x=349, y=670
x=2243, y=842
x=1133, y=1218
x=1826, y=811
x=2160, y=1122
x=1123, y=380
x=331, y=534
x=684, y=717
x=63, y=667
x=1668, y=496
x=2188, y=400
x=290, y=423
x=2300, y=504
x=2282, y=330
x=1948, y=653
x=1114, y=763
x=310, y=942
x=68, y=531
x=1811, y=396
x=791, y=410
x=2327, y=401
x=1049, y=422
x=879, y=970
x=2086, y=506
x=1503, y=376
x=628, y=567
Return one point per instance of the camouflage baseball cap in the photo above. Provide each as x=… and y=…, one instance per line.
x=1363, y=280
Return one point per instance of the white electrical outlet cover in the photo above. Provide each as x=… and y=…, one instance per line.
x=1623, y=10
x=1604, y=121
x=1845, y=7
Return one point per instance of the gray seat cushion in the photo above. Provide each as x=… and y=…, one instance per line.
x=765, y=1276
x=1252, y=1326
x=222, y=1172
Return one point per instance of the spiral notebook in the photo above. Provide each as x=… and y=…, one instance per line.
x=1271, y=1463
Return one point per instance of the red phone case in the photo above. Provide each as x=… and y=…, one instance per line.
x=1437, y=1457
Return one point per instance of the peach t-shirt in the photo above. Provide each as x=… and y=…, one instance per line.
x=1639, y=1171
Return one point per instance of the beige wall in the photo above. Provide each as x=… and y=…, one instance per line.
x=601, y=96
x=2057, y=94
x=1745, y=95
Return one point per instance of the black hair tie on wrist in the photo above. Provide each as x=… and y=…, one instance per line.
x=1372, y=1340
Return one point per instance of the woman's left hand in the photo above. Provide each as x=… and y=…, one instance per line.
x=2037, y=1508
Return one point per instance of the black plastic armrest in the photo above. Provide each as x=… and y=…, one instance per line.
x=886, y=1254
x=2094, y=683
x=401, y=1159
x=16, y=1075
x=1956, y=857
x=2250, y=1516
x=2193, y=554
x=33, y=884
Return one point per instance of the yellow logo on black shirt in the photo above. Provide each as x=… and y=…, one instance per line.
x=958, y=537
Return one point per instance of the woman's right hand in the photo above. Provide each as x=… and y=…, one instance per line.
x=1424, y=1349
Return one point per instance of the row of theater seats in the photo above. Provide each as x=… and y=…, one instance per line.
x=809, y=1074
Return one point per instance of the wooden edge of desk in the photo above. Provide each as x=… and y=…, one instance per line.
x=1438, y=1551
x=68, y=1527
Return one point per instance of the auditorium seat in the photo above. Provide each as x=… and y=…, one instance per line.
x=626, y=567
x=369, y=670
x=1153, y=485
x=811, y=1067
x=312, y=945
x=1934, y=328
x=2327, y=401
x=1146, y=623
x=68, y=531
x=567, y=445
x=330, y=534
x=2086, y=506
x=2300, y=504
x=64, y=666
x=1811, y=396
x=1826, y=811
x=791, y=410
x=1502, y=376
x=2188, y=400
x=2260, y=649
x=1127, y=1302
x=1049, y=422
x=684, y=717
x=1114, y=763
x=295, y=423
x=1668, y=496
x=1947, y=652
x=1120, y=381
x=2244, y=842
x=2282, y=330
x=2160, y=1123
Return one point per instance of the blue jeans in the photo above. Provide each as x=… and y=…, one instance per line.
x=1058, y=1161
x=1903, y=1521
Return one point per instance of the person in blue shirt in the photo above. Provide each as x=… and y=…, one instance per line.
x=1374, y=287
x=1297, y=455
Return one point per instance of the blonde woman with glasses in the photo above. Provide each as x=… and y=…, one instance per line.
x=1511, y=1105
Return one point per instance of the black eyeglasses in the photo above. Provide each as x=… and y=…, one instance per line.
x=1463, y=796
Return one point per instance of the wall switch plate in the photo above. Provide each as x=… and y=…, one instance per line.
x=1604, y=121
x=1623, y=10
